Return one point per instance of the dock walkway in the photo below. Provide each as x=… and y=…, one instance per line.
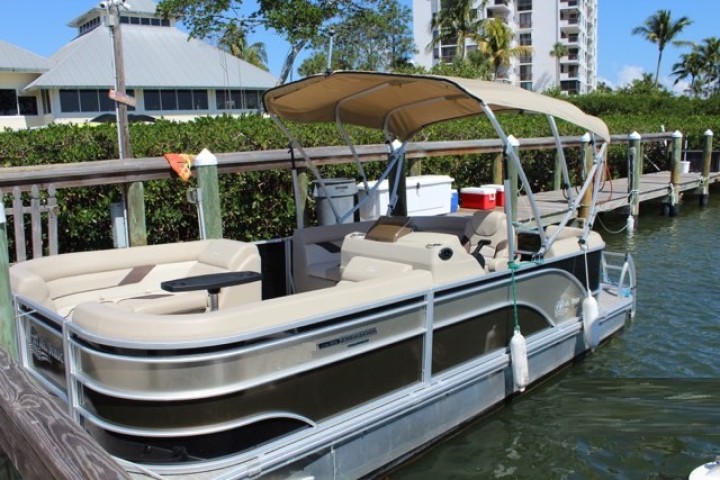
x=614, y=194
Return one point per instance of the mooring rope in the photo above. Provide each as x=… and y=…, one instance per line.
x=613, y=232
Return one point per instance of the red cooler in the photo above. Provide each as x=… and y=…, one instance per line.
x=479, y=198
x=499, y=193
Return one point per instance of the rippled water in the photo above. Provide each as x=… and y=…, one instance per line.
x=644, y=405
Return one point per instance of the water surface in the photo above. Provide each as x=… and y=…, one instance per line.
x=645, y=405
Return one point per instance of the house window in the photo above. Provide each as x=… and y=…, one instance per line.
x=526, y=39
x=168, y=99
x=238, y=99
x=28, y=105
x=152, y=100
x=69, y=101
x=90, y=100
x=525, y=72
x=228, y=99
x=8, y=103
x=252, y=100
x=176, y=99
x=525, y=20
x=524, y=5
x=200, y=100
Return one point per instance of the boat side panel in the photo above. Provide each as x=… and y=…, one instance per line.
x=196, y=376
x=316, y=395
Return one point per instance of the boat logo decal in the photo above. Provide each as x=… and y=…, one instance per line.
x=350, y=339
x=43, y=348
x=564, y=305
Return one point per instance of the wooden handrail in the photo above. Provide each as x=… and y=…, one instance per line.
x=104, y=172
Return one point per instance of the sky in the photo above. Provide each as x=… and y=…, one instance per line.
x=40, y=26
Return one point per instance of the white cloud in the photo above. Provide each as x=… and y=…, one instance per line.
x=627, y=74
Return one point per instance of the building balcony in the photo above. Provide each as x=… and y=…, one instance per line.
x=570, y=6
x=499, y=7
x=573, y=75
x=570, y=25
x=571, y=59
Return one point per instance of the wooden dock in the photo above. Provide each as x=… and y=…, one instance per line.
x=613, y=195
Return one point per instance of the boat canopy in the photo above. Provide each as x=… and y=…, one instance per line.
x=403, y=104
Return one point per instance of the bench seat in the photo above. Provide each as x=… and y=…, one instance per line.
x=131, y=277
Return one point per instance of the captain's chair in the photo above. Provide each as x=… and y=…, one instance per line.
x=485, y=238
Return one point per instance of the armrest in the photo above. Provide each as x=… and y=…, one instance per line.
x=212, y=282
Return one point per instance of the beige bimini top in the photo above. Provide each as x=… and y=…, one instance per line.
x=408, y=103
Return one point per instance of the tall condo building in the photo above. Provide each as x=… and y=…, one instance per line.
x=539, y=24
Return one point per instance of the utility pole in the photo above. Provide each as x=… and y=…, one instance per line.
x=134, y=193
x=124, y=147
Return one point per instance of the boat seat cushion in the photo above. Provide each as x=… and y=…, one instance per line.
x=247, y=321
x=361, y=268
x=132, y=276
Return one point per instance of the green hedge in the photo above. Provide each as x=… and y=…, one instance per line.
x=260, y=204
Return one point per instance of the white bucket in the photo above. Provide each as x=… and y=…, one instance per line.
x=684, y=167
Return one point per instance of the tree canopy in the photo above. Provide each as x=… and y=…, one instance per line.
x=661, y=29
x=375, y=37
x=301, y=23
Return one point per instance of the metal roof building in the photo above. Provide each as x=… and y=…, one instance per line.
x=16, y=59
x=154, y=58
x=169, y=74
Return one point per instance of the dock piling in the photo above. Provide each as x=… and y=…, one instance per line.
x=206, y=164
x=707, y=157
x=498, y=169
x=8, y=334
x=673, y=202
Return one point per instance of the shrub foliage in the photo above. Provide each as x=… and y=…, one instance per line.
x=260, y=204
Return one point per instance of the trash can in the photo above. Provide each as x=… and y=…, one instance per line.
x=342, y=191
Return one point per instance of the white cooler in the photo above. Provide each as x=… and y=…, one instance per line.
x=425, y=195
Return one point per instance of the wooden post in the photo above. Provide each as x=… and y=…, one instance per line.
x=673, y=203
x=512, y=173
x=137, y=231
x=587, y=149
x=635, y=169
x=135, y=192
x=303, y=187
x=206, y=164
x=415, y=167
x=498, y=169
x=707, y=159
x=8, y=331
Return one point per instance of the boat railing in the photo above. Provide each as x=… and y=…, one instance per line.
x=618, y=271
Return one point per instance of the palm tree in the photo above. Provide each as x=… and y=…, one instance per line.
x=235, y=43
x=709, y=51
x=558, y=51
x=456, y=22
x=691, y=65
x=495, y=42
x=661, y=29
